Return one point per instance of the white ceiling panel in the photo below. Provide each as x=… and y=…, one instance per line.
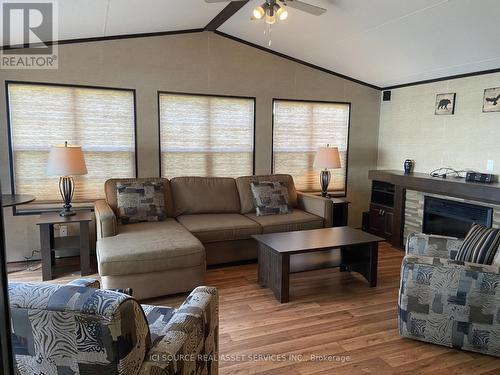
x=385, y=42
x=143, y=16
x=97, y=18
x=78, y=19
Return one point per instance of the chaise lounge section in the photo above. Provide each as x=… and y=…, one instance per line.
x=210, y=221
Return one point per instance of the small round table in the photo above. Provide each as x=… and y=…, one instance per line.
x=11, y=200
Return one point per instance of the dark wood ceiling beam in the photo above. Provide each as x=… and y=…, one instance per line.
x=226, y=13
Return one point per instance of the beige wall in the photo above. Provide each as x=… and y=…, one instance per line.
x=410, y=129
x=199, y=63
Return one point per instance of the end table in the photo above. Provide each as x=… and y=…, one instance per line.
x=46, y=222
x=340, y=211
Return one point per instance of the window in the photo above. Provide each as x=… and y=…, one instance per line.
x=300, y=128
x=206, y=135
x=101, y=120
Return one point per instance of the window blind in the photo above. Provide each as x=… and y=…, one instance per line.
x=100, y=120
x=206, y=135
x=300, y=128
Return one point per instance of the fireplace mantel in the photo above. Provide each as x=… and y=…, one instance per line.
x=451, y=186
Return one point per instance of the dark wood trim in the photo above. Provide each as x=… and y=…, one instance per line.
x=348, y=134
x=135, y=134
x=398, y=215
x=448, y=78
x=110, y=37
x=226, y=13
x=9, y=126
x=6, y=357
x=298, y=61
x=70, y=85
x=452, y=187
x=9, y=141
x=254, y=132
x=206, y=95
x=159, y=131
x=159, y=92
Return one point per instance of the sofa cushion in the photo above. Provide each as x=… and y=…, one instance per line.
x=111, y=195
x=204, y=195
x=297, y=220
x=140, y=201
x=270, y=198
x=149, y=247
x=245, y=191
x=220, y=227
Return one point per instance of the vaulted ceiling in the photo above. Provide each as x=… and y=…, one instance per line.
x=382, y=42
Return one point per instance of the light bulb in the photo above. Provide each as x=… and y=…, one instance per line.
x=282, y=13
x=270, y=20
x=259, y=12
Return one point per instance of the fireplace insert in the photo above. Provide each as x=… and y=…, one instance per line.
x=451, y=218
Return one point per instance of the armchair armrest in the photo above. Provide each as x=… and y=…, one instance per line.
x=432, y=245
x=450, y=303
x=190, y=341
x=316, y=205
x=89, y=283
x=105, y=220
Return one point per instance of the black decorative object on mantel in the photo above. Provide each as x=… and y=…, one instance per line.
x=408, y=165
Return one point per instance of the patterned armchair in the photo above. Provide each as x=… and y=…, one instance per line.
x=448, y=302
x=78, y=329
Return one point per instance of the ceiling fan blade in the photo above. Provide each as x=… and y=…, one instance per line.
x=308, y=8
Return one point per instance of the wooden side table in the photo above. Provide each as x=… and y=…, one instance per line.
x=46, y=222
x=340, y=211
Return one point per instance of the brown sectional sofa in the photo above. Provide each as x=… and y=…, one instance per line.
x=210, y=221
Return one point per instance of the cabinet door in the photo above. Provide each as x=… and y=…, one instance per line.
x=388, y=224
x=377, y=221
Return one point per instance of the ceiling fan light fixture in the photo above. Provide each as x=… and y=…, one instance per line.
x=270, y=20
x=259, y=12
x=282, y=13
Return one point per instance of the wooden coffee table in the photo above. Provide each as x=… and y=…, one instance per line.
x=359, y=252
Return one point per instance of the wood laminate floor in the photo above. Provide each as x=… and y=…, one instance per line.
x=334, y=324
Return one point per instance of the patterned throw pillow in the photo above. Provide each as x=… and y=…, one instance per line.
x=140, y=201
x=270, y=198
x=480, y=245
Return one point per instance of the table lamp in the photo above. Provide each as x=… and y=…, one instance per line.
x=326, y=158
x=66, y=161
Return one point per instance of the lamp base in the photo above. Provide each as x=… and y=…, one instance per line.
x=66, y=188
x=324, y=180
x=65, y=212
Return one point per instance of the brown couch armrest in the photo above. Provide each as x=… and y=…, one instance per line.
x=316, y=205
x=105, y=220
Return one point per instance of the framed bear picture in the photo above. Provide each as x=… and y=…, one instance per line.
x=445, y=104
x=491, y=101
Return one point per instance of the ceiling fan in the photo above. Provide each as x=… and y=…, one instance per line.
x=274, y=10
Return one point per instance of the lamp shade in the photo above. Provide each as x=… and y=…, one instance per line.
x=327, y=158
x=66, y=160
